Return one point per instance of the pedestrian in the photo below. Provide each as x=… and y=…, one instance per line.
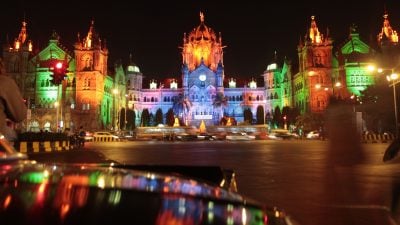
x=82, y=135
x=344, y=153
x=12, y=104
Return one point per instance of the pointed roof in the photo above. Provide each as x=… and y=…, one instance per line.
x=354, y=44
x=91, y=41
x=202, y=32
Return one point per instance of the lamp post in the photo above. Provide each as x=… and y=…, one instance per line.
x=56, y=104
x=116, y=109
x=393, y=79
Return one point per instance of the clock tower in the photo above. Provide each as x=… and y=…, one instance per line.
x=202, y=71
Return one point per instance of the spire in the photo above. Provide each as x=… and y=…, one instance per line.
x=300, y=41
x=314, y=33
x=54, y=36
x=201, y=17
x=88, y=42
x=105, y=44
x=22, y=34
x=327, y=32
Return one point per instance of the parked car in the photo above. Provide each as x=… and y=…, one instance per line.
x=126, y=135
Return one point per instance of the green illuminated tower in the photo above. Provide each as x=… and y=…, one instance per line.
x=353, y=73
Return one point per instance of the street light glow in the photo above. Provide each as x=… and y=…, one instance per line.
x=371, y=68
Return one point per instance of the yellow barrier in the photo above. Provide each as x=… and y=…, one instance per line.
x=46, y=146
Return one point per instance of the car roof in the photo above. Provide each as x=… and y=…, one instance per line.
x=87, y=194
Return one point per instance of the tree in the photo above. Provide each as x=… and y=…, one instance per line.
x=220, y=102
x=152, y=120
x=293, y=114
x=159, y=117
x=170, y=119
x=277, y=118
x=181, y=106
x=145, y=119
x=309, y=122
x=268, y=119
x=130, y=119
x=260, y=115
x=122, y=119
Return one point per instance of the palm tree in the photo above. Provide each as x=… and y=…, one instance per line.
x=220, y=101
x=181, y=106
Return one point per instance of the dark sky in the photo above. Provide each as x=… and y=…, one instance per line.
x=153, y=30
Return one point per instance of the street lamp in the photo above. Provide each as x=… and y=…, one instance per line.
x=393, y=79
x=116, y=109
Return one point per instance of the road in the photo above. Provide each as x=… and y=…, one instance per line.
x=297, y=176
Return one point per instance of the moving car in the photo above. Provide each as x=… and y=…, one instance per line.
x=242, y=136
x=282, y=134
x=104, y=136
x=313, y=135
x=112, y=193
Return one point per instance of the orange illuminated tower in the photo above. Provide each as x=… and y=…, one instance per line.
x=388, y=42
x=93, y=104
x=16, y=56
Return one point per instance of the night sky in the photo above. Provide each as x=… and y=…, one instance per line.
x=153, y=30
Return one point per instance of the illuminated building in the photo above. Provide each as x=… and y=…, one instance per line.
x=95, y=98
x=84, y=98
x=202, y=84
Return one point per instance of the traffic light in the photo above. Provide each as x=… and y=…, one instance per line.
x=59, y=71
